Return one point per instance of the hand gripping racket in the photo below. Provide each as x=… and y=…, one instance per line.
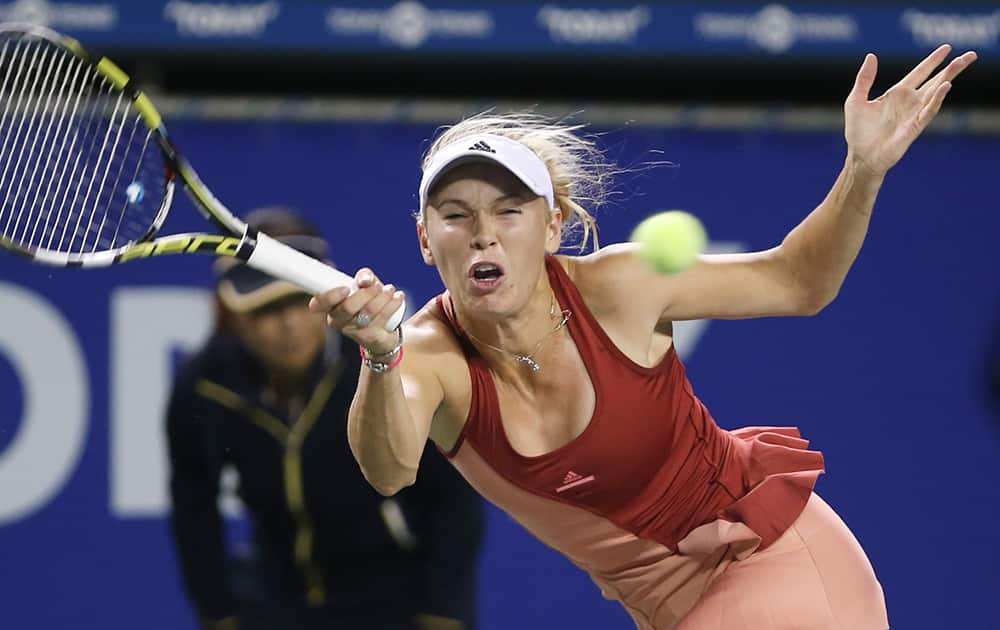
x=87, y=171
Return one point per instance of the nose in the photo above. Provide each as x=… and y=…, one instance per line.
x=291, y=318
x=484, y=235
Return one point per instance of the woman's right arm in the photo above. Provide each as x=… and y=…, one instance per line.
x=390, y=417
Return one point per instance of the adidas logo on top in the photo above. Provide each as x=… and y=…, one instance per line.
x=481, y=146
x=574, y=480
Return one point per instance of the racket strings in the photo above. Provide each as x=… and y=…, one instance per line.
x=53, y=164
x=24, y=128
x=78, y=171
x=26, y=192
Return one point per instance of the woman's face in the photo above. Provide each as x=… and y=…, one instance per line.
x=488, y=236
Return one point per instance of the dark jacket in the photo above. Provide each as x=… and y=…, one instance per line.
x=323, y=535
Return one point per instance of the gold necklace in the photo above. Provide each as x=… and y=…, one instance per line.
x=526, y=358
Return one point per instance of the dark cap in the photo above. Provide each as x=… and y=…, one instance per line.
x=242, y=288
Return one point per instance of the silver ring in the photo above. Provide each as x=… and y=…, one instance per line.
x=361, y=319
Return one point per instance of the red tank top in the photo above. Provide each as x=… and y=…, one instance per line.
x=652, y=460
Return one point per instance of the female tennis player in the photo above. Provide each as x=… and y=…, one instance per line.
x=552, y=384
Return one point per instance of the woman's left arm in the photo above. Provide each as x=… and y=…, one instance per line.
x=822, y=248
x=805, y=272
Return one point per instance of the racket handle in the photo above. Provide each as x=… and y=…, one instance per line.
x=277, y=259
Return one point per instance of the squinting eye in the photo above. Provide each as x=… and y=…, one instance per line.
x=453, y=216
x=511, y=211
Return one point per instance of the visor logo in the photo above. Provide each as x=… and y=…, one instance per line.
x=481, y=146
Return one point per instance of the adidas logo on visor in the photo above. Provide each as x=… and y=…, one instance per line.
x=512, y=155
x=481, y=146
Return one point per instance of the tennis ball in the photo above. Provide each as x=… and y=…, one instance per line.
x=670, y=241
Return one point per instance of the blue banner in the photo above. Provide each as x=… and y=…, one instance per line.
x=709, y=30
x=889, y=381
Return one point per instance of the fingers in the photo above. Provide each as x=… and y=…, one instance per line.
x=361, y=315
x=325, y=302
x=923, y=69
x=343, y=306
x=385, y=307
x=937, y=88
x=335, y=298
x=865, y=79
x=952, y=70
x=373, y=312
x=933, y=106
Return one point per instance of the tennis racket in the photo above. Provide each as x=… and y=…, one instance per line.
x=87, y=170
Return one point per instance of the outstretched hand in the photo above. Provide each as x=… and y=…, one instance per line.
x=362, y=315
x=880, y=131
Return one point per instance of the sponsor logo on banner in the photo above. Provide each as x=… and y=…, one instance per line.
x=775, y=28
x=594, y=26
x=221, y=19
x=410, y=24
x=969, y=29
x=72, y=16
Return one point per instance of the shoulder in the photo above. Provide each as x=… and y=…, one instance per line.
x=606, y=277
x=205, y=360
x=222, y=360
x=601, y=268
x=435, y=361
x=429, y=335
x=220, y=351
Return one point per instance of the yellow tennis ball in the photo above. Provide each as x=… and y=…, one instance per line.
x=670, y=241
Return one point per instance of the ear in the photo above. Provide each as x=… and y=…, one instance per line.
x=425, y=248
x=553, y=236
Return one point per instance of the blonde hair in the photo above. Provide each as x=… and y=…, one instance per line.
x=580, y=174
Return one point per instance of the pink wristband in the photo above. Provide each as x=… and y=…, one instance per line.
x=376, y=366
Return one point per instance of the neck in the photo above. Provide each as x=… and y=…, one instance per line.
x=518, y=331
x=521, y=340
x=287, y=384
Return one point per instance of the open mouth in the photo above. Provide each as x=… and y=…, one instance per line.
x=485, y=275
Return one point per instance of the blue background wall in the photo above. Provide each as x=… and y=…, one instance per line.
x=888, y=381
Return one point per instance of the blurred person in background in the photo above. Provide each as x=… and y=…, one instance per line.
x=268, y=394
x=552, y=384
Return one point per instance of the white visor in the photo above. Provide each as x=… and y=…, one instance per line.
x=510, y=154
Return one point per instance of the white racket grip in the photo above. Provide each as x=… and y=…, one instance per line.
x=280, y=260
